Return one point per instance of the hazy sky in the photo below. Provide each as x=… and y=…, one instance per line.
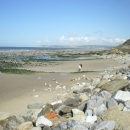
x=64, y=22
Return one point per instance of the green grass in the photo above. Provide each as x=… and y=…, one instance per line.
x=83, y=71
x=17, y=71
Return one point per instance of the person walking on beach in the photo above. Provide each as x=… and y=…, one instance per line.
x=79, y=67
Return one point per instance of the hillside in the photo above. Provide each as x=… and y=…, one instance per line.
x=125, y=47
x=122, y=49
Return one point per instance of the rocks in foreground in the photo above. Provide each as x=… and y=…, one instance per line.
x=106, y=106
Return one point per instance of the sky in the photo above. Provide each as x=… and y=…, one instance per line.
x=34, y=23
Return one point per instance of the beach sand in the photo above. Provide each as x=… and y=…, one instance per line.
x=17, y=91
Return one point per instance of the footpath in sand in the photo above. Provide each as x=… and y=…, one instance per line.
x=17, y=91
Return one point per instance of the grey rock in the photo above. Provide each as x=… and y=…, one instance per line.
x=99, y=110
x=93, y=126
x=127, y=104
x=82, y=106
x=72, y=123
x=46, y=109
x=55, y=106
x=12, y=123
x=73, y=102
x=36, y=128
x=105, y=94
x=88, y=112
x=95, y=101
x=59, y=108
x=88, y=90
x=61, y=126
x=79, y=127
x=65, y=110
x=35, y=105
x=111, y=102
x=46, y=128
x=86, y=124
x=106, y=125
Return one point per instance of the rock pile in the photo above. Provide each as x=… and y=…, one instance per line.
x=101, y=104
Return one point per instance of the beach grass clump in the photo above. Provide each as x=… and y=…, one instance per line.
x=83, y=71
x=16, y=71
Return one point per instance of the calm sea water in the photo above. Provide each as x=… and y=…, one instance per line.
x=12, y=49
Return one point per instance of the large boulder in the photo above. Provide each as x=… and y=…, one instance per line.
x=115, y=85
x=95, y=101
x=120, y=117
x=122, y=96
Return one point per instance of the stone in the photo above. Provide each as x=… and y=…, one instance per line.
x=99, y=110
x=122, y=95
x=79, y=127
x=46, y=109
x=84, y=97
x=65, y=110
x=67, y=95
x=61, y=126
x=72, y=123
x=82, y=106
x=80, y=118
x=88, y=90
x=59, y=109
x=46, y=128
x=115, y=85
x=107, y=125
x=105, y=94
x=101, y=83
x=77, y=112
x=88, y=112
x=25, y=126
x=73, y=102
x=120, y=117
x=117, y=107
x=95, y=101
x=35, y=105
x=42, y=121
x=36, y=128
x=13, y=122
x=122, y=127
x=28, y=116
x=4, y=116
x=91, y=119
x=111, y=102
x=127, y=104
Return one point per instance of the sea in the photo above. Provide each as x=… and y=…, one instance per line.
x=22, y=49
x=45, y=57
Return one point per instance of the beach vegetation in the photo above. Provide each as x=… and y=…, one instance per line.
x=83, y=71
x=16, y=71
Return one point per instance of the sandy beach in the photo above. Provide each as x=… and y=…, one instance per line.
x=17, y=91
